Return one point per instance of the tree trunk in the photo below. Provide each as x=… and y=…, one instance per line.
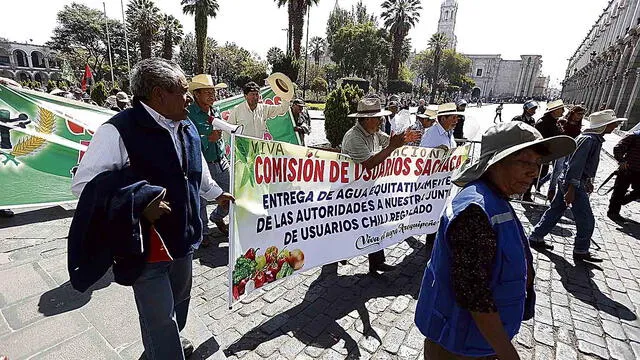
x=145, y=45
x=290, y=13
x=436, y=70
x=201, y=41
x=167, y=48
x=298, y=27
x=395, y=58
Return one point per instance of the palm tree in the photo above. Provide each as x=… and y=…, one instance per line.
x=172, y=35
x=202, y=10
x=318, y=47
x=399, y=17
x=143, y=20
x=296, y=9
x=437, y=44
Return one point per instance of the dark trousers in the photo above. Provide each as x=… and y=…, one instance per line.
x=162, y=294
x=376, y=258
x=624, y=179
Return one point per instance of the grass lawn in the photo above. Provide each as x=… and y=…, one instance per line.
x=316, y=106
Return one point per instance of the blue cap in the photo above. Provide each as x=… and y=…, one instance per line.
x=530, y=105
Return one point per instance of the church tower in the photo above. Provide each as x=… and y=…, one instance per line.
x=447, y=22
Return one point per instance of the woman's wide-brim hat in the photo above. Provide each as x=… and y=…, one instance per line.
x=602, y=118
x=202, y=81
x=448, y=109
x=281, y=85
x=369, y=107
x=507, y=138
x=554, y=105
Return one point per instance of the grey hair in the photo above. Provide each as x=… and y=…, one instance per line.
x=152, y=72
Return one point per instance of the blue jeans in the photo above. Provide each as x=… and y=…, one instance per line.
x=581, y=209
x=558, y=167
x=220, y=173
x=162, y=294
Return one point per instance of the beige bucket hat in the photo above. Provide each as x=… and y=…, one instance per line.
x=370, y=107
x=554, y=105
x=504, y=139
x=602, y=118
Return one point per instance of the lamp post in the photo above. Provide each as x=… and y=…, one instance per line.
x=306, y=55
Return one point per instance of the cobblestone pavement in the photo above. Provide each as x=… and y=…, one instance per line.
x=336, y=312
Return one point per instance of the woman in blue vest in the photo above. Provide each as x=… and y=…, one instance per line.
x=478, y=286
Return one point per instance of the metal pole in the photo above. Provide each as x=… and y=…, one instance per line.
x=306, y=54
x=106, y=25
x=126, y=42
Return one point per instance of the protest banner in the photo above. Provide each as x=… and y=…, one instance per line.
x=38, y=156
x=297, y=208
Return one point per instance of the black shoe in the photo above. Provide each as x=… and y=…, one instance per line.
x=187, y=347
x=527, y=197
x=586, y=257
x=617, y=218
x=540, y=245
x=6, y=213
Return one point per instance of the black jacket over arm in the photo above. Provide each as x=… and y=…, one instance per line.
x=106, y=229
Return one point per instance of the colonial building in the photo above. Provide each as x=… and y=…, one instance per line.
x=605, y=69
x=498, y=78
x=494, y=77
x=22, y=62
x=447, y=22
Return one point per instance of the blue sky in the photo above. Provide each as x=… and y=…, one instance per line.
x=507, y=27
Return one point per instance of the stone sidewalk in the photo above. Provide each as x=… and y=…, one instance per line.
x=337, y=312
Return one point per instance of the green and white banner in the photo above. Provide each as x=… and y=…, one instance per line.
x=38, y=156
x=297, y=208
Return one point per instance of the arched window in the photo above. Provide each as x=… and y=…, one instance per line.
x=37, y=59
x=21, y=58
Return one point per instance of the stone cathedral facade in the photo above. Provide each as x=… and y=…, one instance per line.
x=494, y=76
x=605, y=69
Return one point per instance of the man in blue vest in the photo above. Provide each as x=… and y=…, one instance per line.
x=161, y=146
x=478, y=285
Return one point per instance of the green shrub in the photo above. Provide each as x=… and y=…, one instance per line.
x=399, y=86
x=99, y=93
x=340, y=103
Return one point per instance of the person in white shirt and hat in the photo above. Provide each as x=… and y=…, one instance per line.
x=424, y=121
x=366, y=144
x=575, y=184
x=253, y=114
x=440, y=135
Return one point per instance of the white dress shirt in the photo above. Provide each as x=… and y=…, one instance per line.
x=255, y=121
x=437, y=136
x=107, y=152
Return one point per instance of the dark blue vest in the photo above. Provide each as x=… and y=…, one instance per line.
x=153, y=157
x=438, y=316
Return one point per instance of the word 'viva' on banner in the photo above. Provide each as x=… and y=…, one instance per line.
x=297, y=208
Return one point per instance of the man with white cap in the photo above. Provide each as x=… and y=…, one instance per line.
x=202, y=113
x=477, y=288
x=253, y=114
x=530, y=107
x=366, y=144
x=440, y=135
x=458, y=131
x=575, y=184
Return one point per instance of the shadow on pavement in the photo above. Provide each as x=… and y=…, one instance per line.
x=214, y=255
x=577, y=281
x=35, y=216
x=65, y=298
x=630, y=228
x=331, y=297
